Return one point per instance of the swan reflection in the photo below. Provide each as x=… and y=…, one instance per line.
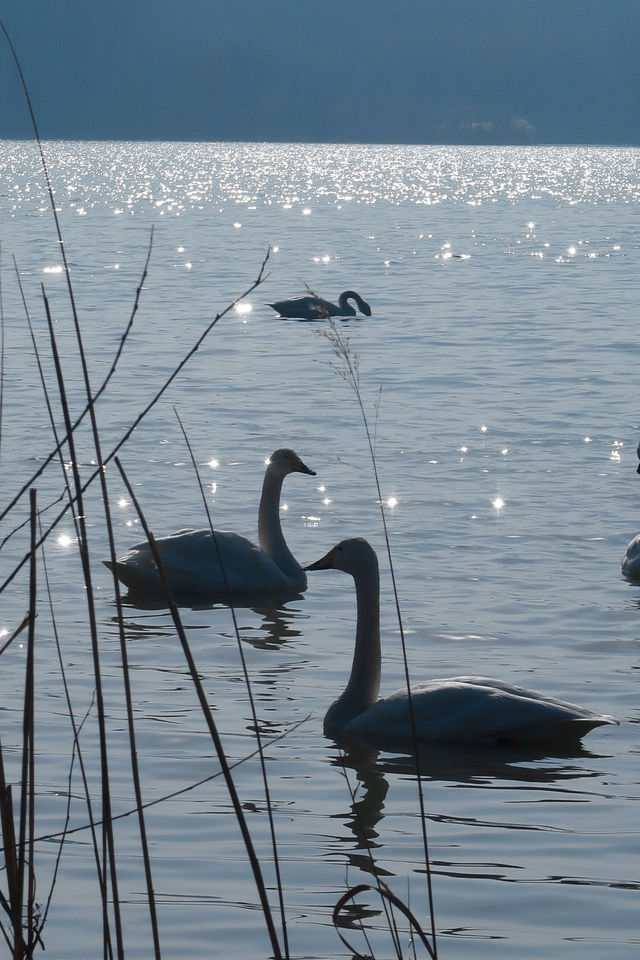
x=275, y=627
x=503, y=769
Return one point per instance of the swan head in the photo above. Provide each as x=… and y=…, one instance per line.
x=285, y=461
x=354, y=556
x=638, y=453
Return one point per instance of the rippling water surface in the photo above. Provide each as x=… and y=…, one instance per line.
x=499, y=375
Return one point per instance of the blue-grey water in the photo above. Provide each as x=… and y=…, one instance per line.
x=499, y=375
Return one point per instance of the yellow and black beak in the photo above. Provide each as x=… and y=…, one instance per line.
x=324, y=563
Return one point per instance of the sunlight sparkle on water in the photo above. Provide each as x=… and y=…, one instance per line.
x=243, y=308
x=214, y=464
x=64, y=540
x=615, y=453
x=392, y=502
x=498, y=503
x=122, y=503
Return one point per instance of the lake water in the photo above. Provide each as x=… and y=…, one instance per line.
x=499, y=374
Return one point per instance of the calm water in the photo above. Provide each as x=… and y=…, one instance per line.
x=499, y=371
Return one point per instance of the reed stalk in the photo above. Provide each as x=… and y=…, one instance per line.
x=108, y=855
x=19, y=904
x=211, y=725
x=347, y=365
x=1, y=354
x=247, y=682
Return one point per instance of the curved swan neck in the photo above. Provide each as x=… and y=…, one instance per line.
x=364, y=682
x=270, y=534
x=343, y=302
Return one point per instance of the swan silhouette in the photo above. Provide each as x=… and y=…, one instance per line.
x=630, y=562
x=315, y=308
x=454, y=710
x=191, y=558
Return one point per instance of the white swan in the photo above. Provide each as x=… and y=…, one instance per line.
x=191, y=558
x=456, y=709
x=630, y=563
x=315, y=308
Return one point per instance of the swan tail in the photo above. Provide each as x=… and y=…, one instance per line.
x=558, y=731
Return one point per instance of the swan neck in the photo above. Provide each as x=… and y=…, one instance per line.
x=343, y=302
x=364, y=681
x=270, y=534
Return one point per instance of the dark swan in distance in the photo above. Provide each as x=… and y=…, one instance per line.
x=191, y=558
x=630, y=563
x=453, y=710
x=315, y=308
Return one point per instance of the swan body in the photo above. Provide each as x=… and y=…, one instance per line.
x=630, y=562
x=451, y=710
x=315, y=308
x=191, y=559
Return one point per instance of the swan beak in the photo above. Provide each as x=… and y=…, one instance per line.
x=324, y=563
x=639, y=468
x=366, y=309
x=301, y=467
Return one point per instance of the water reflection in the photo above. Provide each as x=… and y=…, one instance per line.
x=276, y=628
x=458, y=767
x=458, y=764
x=276, y=624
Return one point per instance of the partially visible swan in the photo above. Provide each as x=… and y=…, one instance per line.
x=190, y=557
x=456, y=709
x=315, y=308
x=630, y=563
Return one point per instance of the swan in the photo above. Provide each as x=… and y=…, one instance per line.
x=453, y=710
x=190, y=557
x=630, y=563
x=315, y=308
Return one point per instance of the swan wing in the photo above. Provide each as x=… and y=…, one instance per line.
x=309, y=308
x=191, y=563
x=300, y=308
x=477, y=709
